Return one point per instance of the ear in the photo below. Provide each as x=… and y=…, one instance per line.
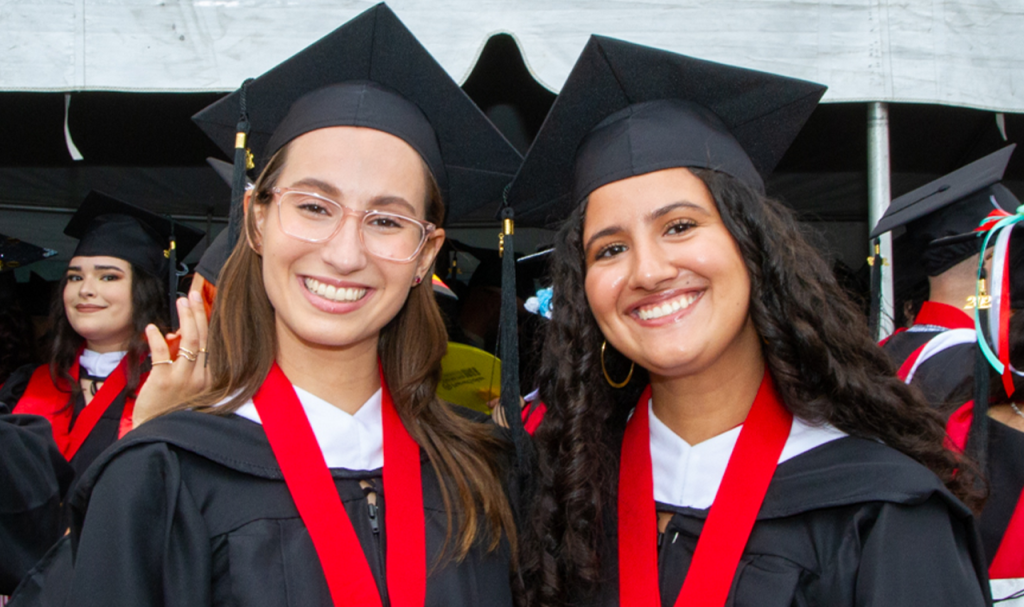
x=425, y=261
x=259, y=212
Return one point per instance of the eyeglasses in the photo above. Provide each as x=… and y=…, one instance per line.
x=314, y=218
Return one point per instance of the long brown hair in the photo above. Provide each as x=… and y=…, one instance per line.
x=149, y=305
x=815, y=342
x=464, y=453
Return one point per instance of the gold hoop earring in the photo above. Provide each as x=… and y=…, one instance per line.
x=632, y=365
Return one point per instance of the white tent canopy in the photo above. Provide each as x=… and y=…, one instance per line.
x=952, y=52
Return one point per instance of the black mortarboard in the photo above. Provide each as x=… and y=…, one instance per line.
x=951, y=206
x=225, y=170
x=214, y=258
x=16, y=253
x=216, y=255
x=628, y=109
x=106, y=226
x=372, y=72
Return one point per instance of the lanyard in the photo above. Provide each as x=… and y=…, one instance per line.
x=312, y=488
x=730, y=521
x=43, y=398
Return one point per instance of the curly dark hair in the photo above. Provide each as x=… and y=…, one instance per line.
x=149, y=305
x=816, y=344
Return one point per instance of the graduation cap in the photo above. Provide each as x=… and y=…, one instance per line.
x=628, y=109
x=16, y=253
x=941, y=217
x=106, y=226
x=370, y=72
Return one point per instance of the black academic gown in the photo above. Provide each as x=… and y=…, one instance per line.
x=191, y=510
x=34, y=478
x=941, y=375
x=851, y=522
x=1005, y=463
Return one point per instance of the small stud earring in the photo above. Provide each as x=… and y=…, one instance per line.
x=416, y=281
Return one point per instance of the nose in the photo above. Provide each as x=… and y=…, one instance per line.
x=651, y=266
x=87, y=287
x=345, y=251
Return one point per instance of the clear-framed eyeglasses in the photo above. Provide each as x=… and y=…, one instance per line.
x=315, y=218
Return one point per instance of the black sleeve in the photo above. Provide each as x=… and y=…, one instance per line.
x=142, y=541
x=34, y=478
x=14, y=387
x=920, y=555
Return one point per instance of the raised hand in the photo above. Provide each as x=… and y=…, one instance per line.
x=175, y=380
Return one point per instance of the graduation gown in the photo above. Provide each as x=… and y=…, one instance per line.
x=191, y=509
x=34, y=478
x=1001, y=523
x=851, y=522
x=939, y=373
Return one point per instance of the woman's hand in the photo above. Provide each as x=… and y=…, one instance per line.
x=175, y=380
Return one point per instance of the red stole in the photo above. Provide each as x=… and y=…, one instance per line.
x=1009, y=559
x=312, y=488
x=43, y=398
x=730, y=520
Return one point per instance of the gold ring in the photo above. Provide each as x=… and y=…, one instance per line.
x=202, y=350
x=161, y=362
x=189, y=355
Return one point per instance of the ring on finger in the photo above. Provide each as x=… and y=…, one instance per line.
x=202, y=350
x=161, y=362
x=189, y=355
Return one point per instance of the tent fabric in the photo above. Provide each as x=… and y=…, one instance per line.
x=952, y=52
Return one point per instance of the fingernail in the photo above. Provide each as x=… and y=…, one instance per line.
x=194, y=296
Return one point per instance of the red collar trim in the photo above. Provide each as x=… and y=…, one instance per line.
x=943, y=315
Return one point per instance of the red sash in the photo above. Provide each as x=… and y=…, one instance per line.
x=1009, y=559
x=312, y=488
x=43, y=398
x=729, y=522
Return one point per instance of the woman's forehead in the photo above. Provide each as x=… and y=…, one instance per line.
x=98, y=262
x=356, y=163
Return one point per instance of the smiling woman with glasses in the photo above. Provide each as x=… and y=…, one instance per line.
x=319, y=467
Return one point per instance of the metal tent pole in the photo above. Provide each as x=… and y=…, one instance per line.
x=879, y=196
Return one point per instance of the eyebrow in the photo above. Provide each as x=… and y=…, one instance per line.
x=333, y=192
x=652, y=216
x=384, y=201
x=323, y=186
x=79, y=268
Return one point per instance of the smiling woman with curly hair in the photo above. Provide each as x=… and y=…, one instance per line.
x=721, y=428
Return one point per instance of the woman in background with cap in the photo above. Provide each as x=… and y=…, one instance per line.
x=114, y=287
x=720, y=426
x=319, y=467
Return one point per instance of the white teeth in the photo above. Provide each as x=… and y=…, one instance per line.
x=680, y=303
x=334, y=293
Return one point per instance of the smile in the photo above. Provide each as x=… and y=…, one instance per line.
x=333, y=293
x=668, y=307
x=87, y=308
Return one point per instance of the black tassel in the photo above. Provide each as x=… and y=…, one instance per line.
x=874, y=316
x=172, y=279
x=521, y=483
x=977, y=435
x=242, y=162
